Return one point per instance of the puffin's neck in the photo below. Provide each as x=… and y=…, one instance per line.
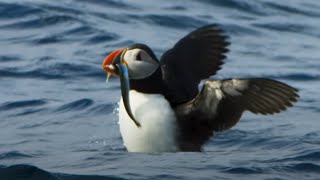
x=150, y=85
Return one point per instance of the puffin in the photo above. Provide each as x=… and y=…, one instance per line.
x=173, y=104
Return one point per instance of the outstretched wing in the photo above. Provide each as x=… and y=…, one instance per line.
x=197, y=56
x=221, y=103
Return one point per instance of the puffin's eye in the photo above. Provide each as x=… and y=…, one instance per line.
x=116, y=69
x=139, y=58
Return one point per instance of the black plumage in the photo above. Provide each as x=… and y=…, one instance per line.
x=197, y=56
x=220, y=103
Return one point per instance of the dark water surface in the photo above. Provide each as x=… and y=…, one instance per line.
x=58, y=117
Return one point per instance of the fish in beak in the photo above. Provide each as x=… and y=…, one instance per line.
x=114, y=64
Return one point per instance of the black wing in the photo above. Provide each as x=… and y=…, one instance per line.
x=197, y=56
x=220, y=105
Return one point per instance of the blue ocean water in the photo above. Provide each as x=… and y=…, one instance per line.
x=58, y=118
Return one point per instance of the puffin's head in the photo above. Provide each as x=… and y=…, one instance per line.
x=134, y=62
x=138, y=59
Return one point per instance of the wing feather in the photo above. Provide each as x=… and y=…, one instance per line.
x=221, y=103
x=197, y=56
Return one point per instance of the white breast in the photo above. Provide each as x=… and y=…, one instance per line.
x=158, y=124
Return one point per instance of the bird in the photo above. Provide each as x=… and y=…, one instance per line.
x=173, y=103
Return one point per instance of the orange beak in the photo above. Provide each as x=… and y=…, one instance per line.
x=115, y=65
x=112, y=59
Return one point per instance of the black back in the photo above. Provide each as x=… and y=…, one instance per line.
x=197, y=56
x=152, y=85
x=220, y=103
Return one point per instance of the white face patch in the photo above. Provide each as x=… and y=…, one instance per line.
x=140, y=63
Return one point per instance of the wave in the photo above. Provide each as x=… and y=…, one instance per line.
x=292, y=10
x=21, y=171
x=80, y=104
x=266, y=8
x=243, y=170
x=53, y=70
x=297, y=167
x=40, y=22
x=21, y=104
x=61, y=9
x=13, y=155
x=109, y=3
x=27, y=107
x=13, y=10
x=9, y=58
x=245, y=6
x=102, y=109
x=289, y=27
x=172, y=21
x=85, y=35
x=304, y=156
x=303, y=167
x=236, y=29
x=296, y=76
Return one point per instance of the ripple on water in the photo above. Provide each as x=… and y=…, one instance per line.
x=13, y=155
x=291, y=10
x=85, y=34
x=13, y=11
x=12, y=72
x=251, y=7
x=288, y=27
x=61, y=9
x=243, y=170
x=47, y=69
x=9, y=58
x=312, y=156
x=295, y=76
x=236, y=29
x=303, y=167
x=102, y=109
x=109, y=3
x=21, y=104
x=171, y=21
x=102, y=38
x=40, y=22
x=80, y=31
x=21, y=171
x=49, y=39
x=77, y=105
